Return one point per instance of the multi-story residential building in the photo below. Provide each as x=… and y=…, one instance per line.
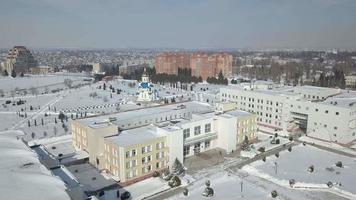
x=350, y=81
x=201, y=64
x=160, y=135
x=170, y=62
x=323, y=113
x=20, y=60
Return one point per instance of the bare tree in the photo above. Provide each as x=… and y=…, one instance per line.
x=33, y=90
x=68, y=82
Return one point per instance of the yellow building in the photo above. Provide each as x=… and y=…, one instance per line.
x=135, y=154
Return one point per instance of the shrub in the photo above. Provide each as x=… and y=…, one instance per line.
x=185, y=192
x=274, y=194
x=338, y=164
x=311, y=169
x=174, y=182
x=207, y=183
x=330, y=184
x=291, y=138
x=291, y=182
x=261, y=149
x=155, y=174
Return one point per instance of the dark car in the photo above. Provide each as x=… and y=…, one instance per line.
x=125, y=195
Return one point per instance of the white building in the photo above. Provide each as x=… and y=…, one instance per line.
x=323, y=113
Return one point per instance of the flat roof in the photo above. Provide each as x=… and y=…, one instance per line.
x=136, y=136
x=235, y=113
x=102, y=121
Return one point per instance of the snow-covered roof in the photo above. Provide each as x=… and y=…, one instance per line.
x=136, y=136
x=22, y=176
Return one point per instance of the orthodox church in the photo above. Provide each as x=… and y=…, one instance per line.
x=145, y=90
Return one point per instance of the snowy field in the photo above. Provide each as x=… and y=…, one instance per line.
x=51, y=81
x=294, y=165
x=226, y=186
x=22, y=176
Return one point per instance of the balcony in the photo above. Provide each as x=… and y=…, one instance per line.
x=200, y=138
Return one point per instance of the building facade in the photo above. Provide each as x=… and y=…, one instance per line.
x=170, y=62
x=200, y=64
x=324, y=113
x=132, y=153
x=19, y=59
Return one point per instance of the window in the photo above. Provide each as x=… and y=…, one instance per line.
x=186, y=150
x=127, y=154
x=197, y=130
x=186, y=133
x=133, y=152
x=146, y=149
x=207, y=128
x=207, y=144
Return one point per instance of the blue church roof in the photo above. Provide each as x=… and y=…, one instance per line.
x=144, y=85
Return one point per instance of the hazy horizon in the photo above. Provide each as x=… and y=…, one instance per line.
x=199, y=24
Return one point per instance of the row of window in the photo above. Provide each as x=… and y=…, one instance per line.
x=145, y=149
x=251, y=99
x=145, y=160
x=145, y=169
x=197, y=130
x=156, y=120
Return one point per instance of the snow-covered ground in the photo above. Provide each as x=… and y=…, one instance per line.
x=226, y=186
x=22, y=176
x=51, y=81
x=294, y=165
x=140, y=189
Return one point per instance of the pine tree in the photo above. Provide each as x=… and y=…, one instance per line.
x=177, y=167
x=13, y=74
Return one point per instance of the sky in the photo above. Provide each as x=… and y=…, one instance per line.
x=255, y=24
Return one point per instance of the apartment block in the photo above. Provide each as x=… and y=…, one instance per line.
x=19, y=59
x=200, y=64
x=170, y=62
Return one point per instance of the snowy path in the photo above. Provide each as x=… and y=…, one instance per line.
x=39, y=112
